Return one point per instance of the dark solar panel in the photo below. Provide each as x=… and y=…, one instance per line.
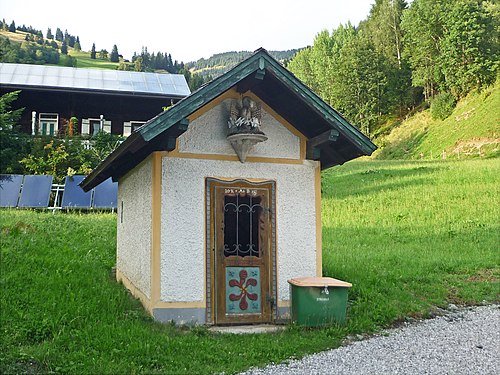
x=10, y=186
x=74, y=196
x=106, y=194
x=36, y=191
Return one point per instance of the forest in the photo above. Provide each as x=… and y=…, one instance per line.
x=432, y=52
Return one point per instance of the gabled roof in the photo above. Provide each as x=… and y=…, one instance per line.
x=331, y=138
x=118, y=82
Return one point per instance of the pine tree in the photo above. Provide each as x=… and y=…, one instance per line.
x=59, y=35
x=77, y=46
x=64, y=48
x=12, y=27
x=92, y=51
x=49, y=34
x=114, y=54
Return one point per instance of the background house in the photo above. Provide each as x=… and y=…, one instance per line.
x=219, y=198
x=111, y=100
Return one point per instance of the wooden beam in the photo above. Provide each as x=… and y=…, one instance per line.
x=314, y=144
x=183, y=125
x=326, y=137
x=171, y=143
x=259, y=74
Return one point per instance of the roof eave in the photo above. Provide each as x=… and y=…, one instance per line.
x=93, y=91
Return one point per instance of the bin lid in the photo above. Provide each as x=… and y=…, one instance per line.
x=319, y=281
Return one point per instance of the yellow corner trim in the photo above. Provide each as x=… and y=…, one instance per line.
x=319, y=240
x=146, y=302
x=156, y=227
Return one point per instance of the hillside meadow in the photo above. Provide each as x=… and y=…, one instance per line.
x=412, y=237
x=471, y=131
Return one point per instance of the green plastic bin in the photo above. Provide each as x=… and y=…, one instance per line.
x=318, y=301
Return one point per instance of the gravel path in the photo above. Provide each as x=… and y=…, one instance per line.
x=464, y=341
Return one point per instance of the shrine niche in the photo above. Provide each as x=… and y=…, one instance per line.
x=219, y=198
x=244, y=129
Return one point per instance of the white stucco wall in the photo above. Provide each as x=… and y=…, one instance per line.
x=134, y=226
x=183, y=221
x=207, y=135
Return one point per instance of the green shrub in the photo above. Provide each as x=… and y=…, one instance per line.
x=442, y=106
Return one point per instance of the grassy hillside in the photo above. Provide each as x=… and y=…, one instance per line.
x=18, y=36
x=409, y=236
x=83, y=58
x=472, y=130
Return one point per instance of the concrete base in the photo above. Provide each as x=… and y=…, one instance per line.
x=194, y=316
x=189, y=316
x=250, y=329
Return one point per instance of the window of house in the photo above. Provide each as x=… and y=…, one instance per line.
x=92, y=126
x=131, y=126
x=48, y=123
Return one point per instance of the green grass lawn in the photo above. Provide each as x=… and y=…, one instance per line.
x=409, y=236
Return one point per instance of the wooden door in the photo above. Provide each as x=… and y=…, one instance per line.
x=243, y=246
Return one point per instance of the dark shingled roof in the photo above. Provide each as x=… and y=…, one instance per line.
x=331, y=138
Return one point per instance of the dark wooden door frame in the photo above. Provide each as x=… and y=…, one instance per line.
x=214, y=297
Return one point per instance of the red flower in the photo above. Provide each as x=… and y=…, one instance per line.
x=242, y=297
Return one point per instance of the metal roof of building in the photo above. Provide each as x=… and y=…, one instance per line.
x=47, y=77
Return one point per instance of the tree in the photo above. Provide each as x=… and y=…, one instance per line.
x=469, y=55
x=49, y=34
x=39, y=39
x=423, y=29
x=103, y=54
x=77, y=46
x=345, y=69
x=138, y=66
x=451, y=46
x=14, y=144
x=59, y=35
x=114, y=54
x=64, y=48
x=383, y=28
x=92, y=51
x=12, y=27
